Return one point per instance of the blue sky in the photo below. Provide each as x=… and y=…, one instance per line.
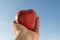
x=47, y=10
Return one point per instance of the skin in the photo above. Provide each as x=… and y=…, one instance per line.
x=22, y=33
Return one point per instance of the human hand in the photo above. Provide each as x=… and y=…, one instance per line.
x=22, y=33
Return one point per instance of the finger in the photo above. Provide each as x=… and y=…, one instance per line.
x=16, y=27
x=14, y=22
x=16, y=37
x=21, y=27
x=37, y=25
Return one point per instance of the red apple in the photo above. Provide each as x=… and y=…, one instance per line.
x=26, y=18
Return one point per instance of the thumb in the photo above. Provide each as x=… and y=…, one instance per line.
x=16, y=27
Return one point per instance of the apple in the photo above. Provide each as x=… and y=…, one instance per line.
x=26, y=18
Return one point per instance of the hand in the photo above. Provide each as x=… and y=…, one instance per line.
x=22, y=33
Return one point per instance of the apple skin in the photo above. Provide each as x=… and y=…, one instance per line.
x=26, y=18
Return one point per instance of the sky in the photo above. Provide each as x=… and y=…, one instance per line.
x=47, y=10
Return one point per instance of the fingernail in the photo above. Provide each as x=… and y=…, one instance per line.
x=14, y=21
